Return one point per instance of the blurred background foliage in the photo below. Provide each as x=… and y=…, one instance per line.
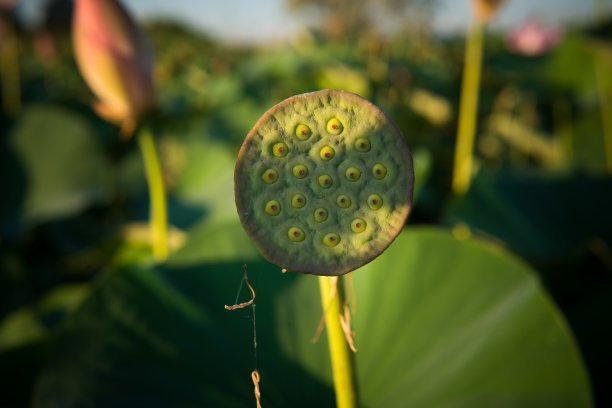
x=80, y=300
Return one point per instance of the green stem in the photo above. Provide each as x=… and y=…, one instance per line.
x=341, y=358
x=562, y=116
x=468, y=110
x=603, y=86
x=9, y=69
x=157, y=194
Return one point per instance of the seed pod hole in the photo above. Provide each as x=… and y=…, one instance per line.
x=375, y=201
x=358, y=225
x=320, y=214
x=353, y=174
x=362, y=144
x=327, y=152
x=331, y=240
x=298, y=201
x=296, y=234
x=270, y=176
x=379, y=171
x=272, y=207
x=302, y=132
x=334, y=126
x=343, y=201
x=279, y=149
x=300, y=171
x=325, y=180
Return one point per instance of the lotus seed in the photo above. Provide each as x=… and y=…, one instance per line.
x=343, y=201
x=353, y=174
x=300, y=171
x=379, y=171
x=334, y=126
x=362, y=144
x=358, y=225
x=302, y=132
x=327, y=152
x=325, y=181
x=279, y=149
x=270, y=176
x=320, y=214
x=272, y=207
x=375, y=201
x=331, y=239
x=298, y=201
x=296, y=234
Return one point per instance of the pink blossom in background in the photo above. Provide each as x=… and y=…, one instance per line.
x=115, y=59
x=533, y=38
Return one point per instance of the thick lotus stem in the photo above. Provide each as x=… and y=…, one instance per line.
x=341, y=356
x=9, y=69
x=158, y=218
x=468, y=110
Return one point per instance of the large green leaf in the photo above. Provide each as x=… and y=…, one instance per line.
x=55, y=165
x=439, y=322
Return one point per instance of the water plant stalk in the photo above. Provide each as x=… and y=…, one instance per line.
x=343, y=367
x=602, y=69
x=468, y=109
x=158, y=218
x=9, y=69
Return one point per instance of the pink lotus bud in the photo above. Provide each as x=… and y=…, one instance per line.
x=531, y=38
x=115, y=58
x=485, y=10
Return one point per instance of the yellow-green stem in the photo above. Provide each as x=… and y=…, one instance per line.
x=9, y=69
x=602, y=72
x=158, y=219
x=468, y=110
x=341, y=357
x=562, y=116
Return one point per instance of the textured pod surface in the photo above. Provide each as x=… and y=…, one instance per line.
x=343, y=183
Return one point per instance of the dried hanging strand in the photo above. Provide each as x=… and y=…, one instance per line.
x=345, y=322
x=345, y=318
x=244, y=304
x=255, y=377
x=254, y=373
x=332, y=294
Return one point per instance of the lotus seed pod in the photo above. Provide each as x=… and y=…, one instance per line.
x=311, y=213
